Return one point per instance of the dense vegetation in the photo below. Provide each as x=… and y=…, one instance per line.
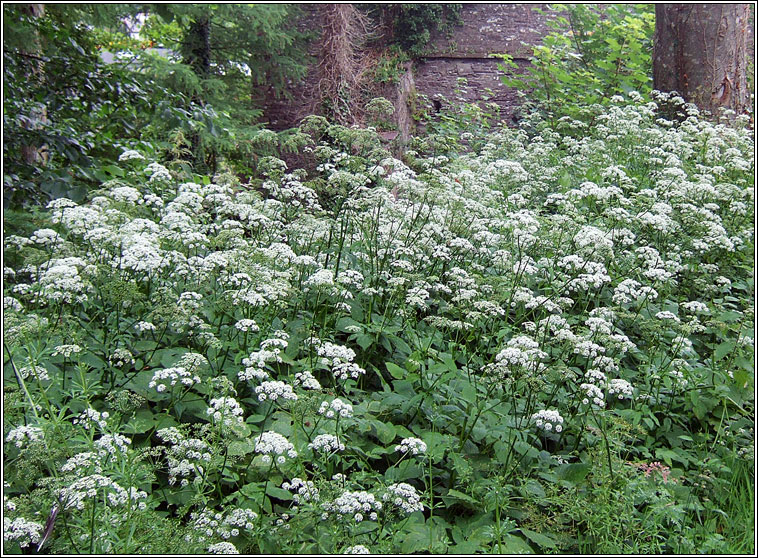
x=503, y=340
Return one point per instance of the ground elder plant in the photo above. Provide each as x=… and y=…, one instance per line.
x=445, y=353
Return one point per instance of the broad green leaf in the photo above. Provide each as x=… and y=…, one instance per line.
x=456, y=495
x=538, y=538
x=513, y=545
x=723, y=349
x=280, y=493
x=237, y=448
x=533, y=487
x=572, y=472
x=397, y=372
x=385, y=432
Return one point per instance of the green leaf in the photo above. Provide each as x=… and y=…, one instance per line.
x=455, y=495
x=114, y=170
x=668, y=455
x=723, y=349
x=436, y=444
x=538, y=538
x=385, y=432
x=364, y=340
x=277, y=492
x=145, y=420
x=572, y=472
x=395, y=371
x=403, y=472
x=514, y=545
x=533, y=487
x=741, y=378
x=239, y=447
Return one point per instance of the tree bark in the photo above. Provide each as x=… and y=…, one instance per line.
x=700, y=52
x=198, y=47
x=197, y=55
x=33, y=154
x=340, y=65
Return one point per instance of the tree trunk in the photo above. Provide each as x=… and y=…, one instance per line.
x=340, y=68
x=197, y=55
x=34, y=154
x=701, y=52
x=197, y=52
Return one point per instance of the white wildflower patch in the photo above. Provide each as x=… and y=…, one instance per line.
x=23, y=436
x=557, y=270
x=165, y=379
x=357, y=549
x=275, y=391
x=274, y=446
x=620, y=388
x=548, y=420
x=326, y=443
x=404, y=497
x=131, y=155
x=21, y=531
x=354, y=506
x=414, y=446
x=306, y=380
x=225, y=411
x=335, y=409
x=94, y=487
x=187, y=458
x=304, y=490
x=594, y=394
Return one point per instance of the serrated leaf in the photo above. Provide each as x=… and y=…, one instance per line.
x=385, y=432
x=239, y=447
x=723, y=349
x=572, y=472
x=364, y=340
x=514, y=545
x=538, y=538
x=277, y=492
x=396, y=371
x=461, y=497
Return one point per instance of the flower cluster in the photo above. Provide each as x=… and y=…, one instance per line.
x=275, y=390
x=335, y=409
x=22, y=436
x=326, y=443
x=209, y=523
x=548, y=420
x=403, y=496
x=187, y=458
x=223, y=547
x=594, y=394
x=356, y=549
x=167, y=378
x=225, y=411
x=89, y=416
x=274, y=444
x=21, y=531
x=112, y=445
x=357, y=505
x=91, y=487
x=86, y=461
x=305, y=491
x=306, y=380
x=620, y=388
x=414, y=446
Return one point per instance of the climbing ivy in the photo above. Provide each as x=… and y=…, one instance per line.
x=410, y=26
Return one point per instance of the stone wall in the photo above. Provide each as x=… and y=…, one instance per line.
x=487, y=29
